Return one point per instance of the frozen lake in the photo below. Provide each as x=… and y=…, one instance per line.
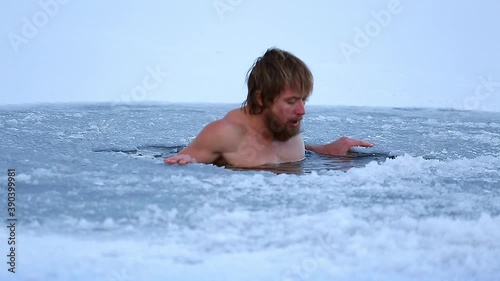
x=95, y=201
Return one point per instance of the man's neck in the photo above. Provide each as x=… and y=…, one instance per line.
x=257, y=123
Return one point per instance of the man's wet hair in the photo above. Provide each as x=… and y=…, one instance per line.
x=271, y=73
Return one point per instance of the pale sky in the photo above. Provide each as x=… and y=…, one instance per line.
x=403, y=53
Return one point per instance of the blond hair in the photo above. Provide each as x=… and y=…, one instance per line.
x=271, y=73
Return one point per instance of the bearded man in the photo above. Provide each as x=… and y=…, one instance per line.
x=266, y=129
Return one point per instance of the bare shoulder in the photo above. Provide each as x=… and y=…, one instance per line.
x=235, y=116
x=230, y=124
x=225, y=133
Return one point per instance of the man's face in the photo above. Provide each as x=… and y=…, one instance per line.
x=284, y=116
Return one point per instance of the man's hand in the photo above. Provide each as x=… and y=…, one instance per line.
x=180, y=159
x=339, y=147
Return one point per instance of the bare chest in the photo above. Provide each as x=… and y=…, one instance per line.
x=252, y=151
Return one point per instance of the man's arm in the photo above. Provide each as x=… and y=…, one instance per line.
x=205, y=148
x=339, y=147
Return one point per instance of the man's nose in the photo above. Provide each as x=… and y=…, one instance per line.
x=300, y=109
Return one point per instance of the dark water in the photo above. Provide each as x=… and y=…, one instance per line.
x=312, y=162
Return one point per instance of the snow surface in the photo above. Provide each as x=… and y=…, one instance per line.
x=432, y=213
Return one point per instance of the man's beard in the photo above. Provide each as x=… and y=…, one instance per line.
x=280, y=131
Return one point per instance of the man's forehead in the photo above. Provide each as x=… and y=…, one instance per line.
x=289, y=92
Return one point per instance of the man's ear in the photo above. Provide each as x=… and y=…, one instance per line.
x=258, y=97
